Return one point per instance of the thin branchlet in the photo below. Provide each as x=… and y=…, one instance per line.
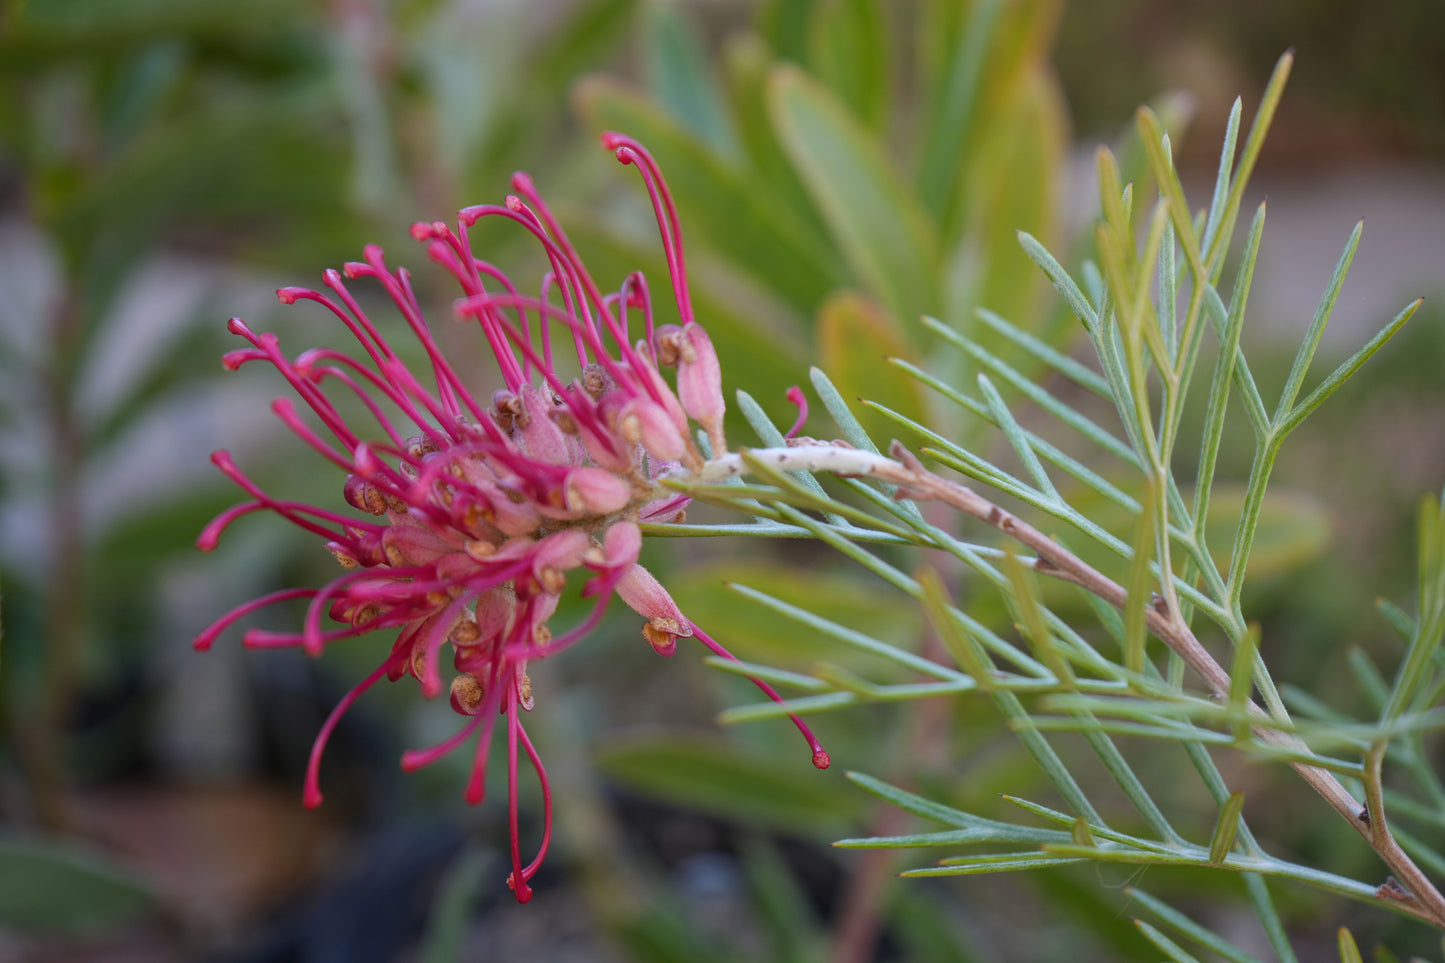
x=913, y=481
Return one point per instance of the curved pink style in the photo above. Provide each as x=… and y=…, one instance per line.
x=466, y=519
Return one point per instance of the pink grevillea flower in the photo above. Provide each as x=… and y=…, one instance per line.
x=469, y=520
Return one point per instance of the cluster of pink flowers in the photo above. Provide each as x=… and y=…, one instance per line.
x=469, y=519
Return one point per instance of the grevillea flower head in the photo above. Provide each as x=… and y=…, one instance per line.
x=468, y=521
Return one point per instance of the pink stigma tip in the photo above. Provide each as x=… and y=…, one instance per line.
x=821, y=760
x=796, y=396
x=311, y=798
x=474, y=795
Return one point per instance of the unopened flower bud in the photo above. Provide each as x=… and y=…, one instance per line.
x=644, y=422
x=622, y=544
x=645, y=595
x=593, y=491
x=557, y=554
x=538, y=435
x=699, y=385
x=413, y=545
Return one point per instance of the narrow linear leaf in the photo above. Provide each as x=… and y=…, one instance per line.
x=965, y=650
x=1189, y=928
x=1224, y=373
x=1343, y=373
x=1316, y=329
x=1030, y=610
x=1258, y=889
x=1055, y=359
x=912, y=803
x=1138, y=599
x=1253, y=144
x=1349, y=949
x=1170, y=948
x=1221, y=180
x=1062, y=282
x=1398, y=618
x=1004, y=863
x=1242, y=675
x=1016, y=436
x=1222, y=840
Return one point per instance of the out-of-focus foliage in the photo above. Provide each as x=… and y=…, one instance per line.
x=842, y=167
x=850, y=165
x=1359, y=66
x=155, y=157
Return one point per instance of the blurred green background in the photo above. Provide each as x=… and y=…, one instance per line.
x=841, y=167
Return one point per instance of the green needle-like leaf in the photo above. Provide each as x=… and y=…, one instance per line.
x=1342, y=374
x=1222, y=840
x=1189, y=928
x=1170, y=948
x=1241, y=675
x=1137, y=604
x=1316, y=330
x=1349, y=950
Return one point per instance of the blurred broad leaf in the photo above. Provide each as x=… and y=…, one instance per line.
x=1013, y=188
x=733, y=213
x=856, y=339
x=453, y=905
x=848, y=46
x=677, y=71
x=714, y=778
x=1294, y=528
x=45, y=886
x=876, y=219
